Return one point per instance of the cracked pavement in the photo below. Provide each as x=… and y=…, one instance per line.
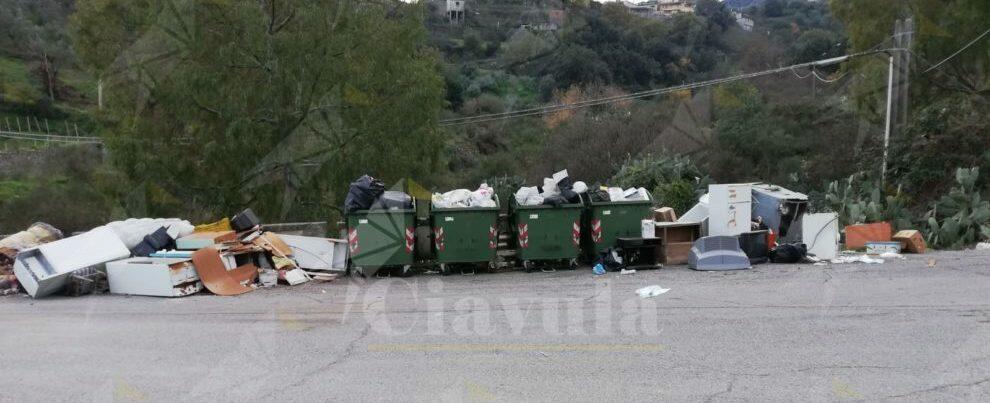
x=900, y=331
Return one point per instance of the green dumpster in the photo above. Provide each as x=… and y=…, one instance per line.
x=546, y=233
x=465, y=235
x=607, y=221
x=379, y=239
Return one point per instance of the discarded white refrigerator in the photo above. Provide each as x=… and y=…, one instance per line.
x=158, y=277
x=729, y=209
x=313, y=253
x=820, y=232
x=43, y=270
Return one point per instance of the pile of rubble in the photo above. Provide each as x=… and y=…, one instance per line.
x=165, y=257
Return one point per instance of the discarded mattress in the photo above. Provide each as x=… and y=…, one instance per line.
x=132, y=231
x=718, y=253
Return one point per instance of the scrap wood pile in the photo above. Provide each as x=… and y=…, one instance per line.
x=165, y=257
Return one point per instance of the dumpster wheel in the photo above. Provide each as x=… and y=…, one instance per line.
x=528, y=266
x=444, y=269
x=405, y=271
x=573, y=264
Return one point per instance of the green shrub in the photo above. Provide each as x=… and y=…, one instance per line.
x=961, y=217
x=505, y=187
x=675, y=181
x=679, y=195
x=859, y=199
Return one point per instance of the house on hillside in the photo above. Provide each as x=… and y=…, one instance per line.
x=667, y=8
x=744, y=21
x=455, y=11
x=641, y=9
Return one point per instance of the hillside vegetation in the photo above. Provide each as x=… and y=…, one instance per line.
x=212, y=106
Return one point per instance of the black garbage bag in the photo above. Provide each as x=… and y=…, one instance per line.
x=598, y=195
x=555, y=200
x=611, y=258
x=362, y=193
x=393, y=200
x=789, y=253
x=566, y=187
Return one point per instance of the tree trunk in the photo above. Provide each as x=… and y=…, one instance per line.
x=50, y=74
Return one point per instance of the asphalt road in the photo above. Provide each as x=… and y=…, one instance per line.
x=917, y=329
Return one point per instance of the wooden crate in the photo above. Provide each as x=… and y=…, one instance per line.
x=678, y=238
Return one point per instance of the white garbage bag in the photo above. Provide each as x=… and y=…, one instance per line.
x=524, y=193
x=549, y=188
x=580, y=187
x=533, y=200
x=481, y=197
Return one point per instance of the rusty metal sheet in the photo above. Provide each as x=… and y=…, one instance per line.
x=244, y=273
x=214, y=274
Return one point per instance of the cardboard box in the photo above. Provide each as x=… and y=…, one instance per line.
x=664, y=214
x=911, y=241
x=858, y=235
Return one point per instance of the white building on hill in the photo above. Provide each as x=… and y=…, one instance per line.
x=668, y=8
x=455, y=10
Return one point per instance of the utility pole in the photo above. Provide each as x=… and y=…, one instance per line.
x=904, y=71
x=886, y=132
x=898, y=76
x=99, y=93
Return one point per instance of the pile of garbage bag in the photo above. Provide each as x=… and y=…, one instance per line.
x=483, y=197
x=557, y=190
x=368, y=193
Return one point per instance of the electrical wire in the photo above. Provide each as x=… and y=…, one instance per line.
x=826, y=80
x=800, y=76
x=650, y=93
x=956, y=53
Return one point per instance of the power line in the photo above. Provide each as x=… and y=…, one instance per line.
x=971, y=43
x=649, y=93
